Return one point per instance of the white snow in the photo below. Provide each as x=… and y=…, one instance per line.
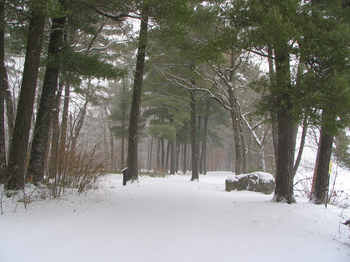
x=262, y=175
x=171, y=219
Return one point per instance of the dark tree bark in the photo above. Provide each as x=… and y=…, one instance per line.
x=236, y=122
x=63, y=130
x=184, y=167
x=173, y=157
x=205, y=140
x=321, y=176
x=177, y=157
x=19, y=143
x=36, y=167
x=162, y=148
x=55, y=135
x=167, y=156
x=3, y=86
x=132, y=172
x=194, y=144
x=301, y=147
x=285, y=164
x=286, y=135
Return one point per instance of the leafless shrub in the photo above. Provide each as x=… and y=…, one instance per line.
x=79, y=171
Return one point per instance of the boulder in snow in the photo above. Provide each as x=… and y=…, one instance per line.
x=257, y=181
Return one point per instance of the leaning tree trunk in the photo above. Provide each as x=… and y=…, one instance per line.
x=321, y=175
x=36, y=166
x=132, y=172
x=194, y=144
x=2, y=94
x=21, y=130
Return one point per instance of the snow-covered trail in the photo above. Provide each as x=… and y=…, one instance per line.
x=172, y=219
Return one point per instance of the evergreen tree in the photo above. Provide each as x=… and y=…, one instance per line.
x=20, y=139
x=36, y=166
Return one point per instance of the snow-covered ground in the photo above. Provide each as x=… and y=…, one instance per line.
x=171, y=219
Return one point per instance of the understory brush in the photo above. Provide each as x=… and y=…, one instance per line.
x=77, y=174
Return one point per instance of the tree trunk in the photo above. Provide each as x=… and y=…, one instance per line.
x=272, y=113
x=150, y=149
x=194, y=144
x=63, y=131
x=321, y=176
x=177, y=157
x=78, y=127
x=184, y=167
x=19, y=143
x=167, y=157
x=301, y=147
x=205, y=140
x=173, y=157
x=2, y=94
x=55, y=135
x=122, y=153
x=239, y=161
x=284, y=175
x=132, y=172
x=200, y=145
x=162, y=146
x=286, y=135
x=9, y=111
x=158, y=155
x=36, y=166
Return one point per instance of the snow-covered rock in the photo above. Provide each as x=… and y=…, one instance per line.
x=257, y=181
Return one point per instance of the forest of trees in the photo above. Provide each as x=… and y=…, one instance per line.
x=90, y=87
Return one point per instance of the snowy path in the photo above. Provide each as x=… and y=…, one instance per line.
x=169, y=220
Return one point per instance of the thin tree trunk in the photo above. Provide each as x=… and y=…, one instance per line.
x=205, y=140
x=78, y=127
x=2, y=94
x=36, y=166
x=200, y=145
x=177, y=157
x=9, y=111
x=272, y=113
x=167, y=156
x=162, y=145
x=239, y=161
x=150, y=154
x=173, y=157
x=132, y=172
x=158, y=155
x=19, y=143
x=111, y=137
x=194, y=144
x=184, y=168
x=301, y=147
x=55, y=135
x=63, y=131
x=122, y=153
